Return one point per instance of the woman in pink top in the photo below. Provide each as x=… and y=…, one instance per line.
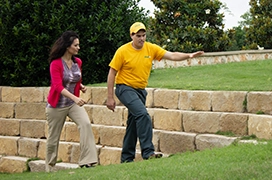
x=64, y=100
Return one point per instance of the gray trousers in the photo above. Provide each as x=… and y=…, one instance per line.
x=139, y=123
x=56, y=118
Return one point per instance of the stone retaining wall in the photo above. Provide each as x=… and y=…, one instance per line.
x=217, y=58
x=171, y=110
x=182, y=121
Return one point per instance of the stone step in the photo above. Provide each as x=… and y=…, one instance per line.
x=240, y=124
x=16, y=164
x=29, y=102
x=164, y=142
x=13, y=164
x=39, y=166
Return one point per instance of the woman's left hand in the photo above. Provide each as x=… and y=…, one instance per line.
x=83, y=88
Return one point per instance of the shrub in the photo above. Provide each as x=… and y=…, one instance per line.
x=28, y=28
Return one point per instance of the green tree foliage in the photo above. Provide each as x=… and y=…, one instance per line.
x=238, y=34
x=189, y=25
x=28, y=28
x=260, y=29
x=247, y=18
x=237, y=37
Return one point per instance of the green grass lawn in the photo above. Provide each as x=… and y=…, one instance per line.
x=236, y=76
x=235, y=162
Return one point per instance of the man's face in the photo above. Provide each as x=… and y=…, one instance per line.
x=138, y=39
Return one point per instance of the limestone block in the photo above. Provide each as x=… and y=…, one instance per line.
x=39, y=166
x=11, y=94
x=87, y=96
x=234, y=122
x=102, y=115
x=176, y=142
x=32, y=94
x=170, y=120
x=42, y=149
x=89, y=109
x=208, y=141
x=13, y=164
x=28, y=147
x=228, y=101
x=8, y=145
x=7, y=109
x=165, y=98
x=100, y=95
x=112, y=136
x=195, y=100
x=62, y=135
x=64, y=152
x=33, y=128
x=110, y=155
x=201, y=122
x=10, y=127
x=30, y=111
x=260, y=125
x=125, y=117
x=151, y=112
x=45, y=93
x=259, y=102
x=96, y=130
x=150, y=97
x=155, y=140
x=71, y=132
x=75, y=153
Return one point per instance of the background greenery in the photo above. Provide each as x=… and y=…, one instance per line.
x=189, y=25
x=28, y=28
x=259, y=25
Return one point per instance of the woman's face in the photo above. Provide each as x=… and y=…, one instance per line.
x=74, y=48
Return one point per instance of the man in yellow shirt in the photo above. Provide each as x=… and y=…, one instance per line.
x=129, y=70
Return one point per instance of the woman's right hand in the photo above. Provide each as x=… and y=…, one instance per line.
x=79, y=101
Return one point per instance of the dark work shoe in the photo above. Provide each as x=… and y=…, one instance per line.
x=155, y=155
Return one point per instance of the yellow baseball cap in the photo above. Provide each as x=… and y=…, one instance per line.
x=134, y=28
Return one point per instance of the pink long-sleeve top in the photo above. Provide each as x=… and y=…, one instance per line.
x=56, y=72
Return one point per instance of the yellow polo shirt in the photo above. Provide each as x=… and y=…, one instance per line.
x=133, y=66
